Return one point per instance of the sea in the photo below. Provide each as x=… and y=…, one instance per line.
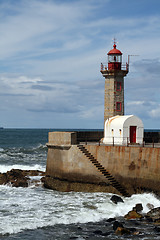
x=39, y=213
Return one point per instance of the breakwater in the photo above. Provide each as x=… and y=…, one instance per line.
x=135, y=168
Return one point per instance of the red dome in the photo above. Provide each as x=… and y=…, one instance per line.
x=114, y=51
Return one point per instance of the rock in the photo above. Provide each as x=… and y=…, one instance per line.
x=116, y=199
x=20, y=183
x=18, y=177
x=136, y=233
x=133, y=215
x=138, y=207
x=153, y=214
x=98, y=232
x=106, y=233
x=157, y=229
x=110, y=220
x=157, y=221
x=122, y=231
x=117, y=224
x=34, y=173
x=3, y=178
x=132, y=229
x=79, y=228
x=149, y=219
x=150, y=206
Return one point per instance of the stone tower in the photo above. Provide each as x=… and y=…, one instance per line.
x=114, y=74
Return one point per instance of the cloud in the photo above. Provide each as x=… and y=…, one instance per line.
x=41, y=87
x=50, y=55
x=155, y=113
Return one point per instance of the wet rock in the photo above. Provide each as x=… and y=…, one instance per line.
x=138, y=207
x=117, y=224
x=20, y=183
x=18, y=177
x=157, y=229
x=122, y=231
x=79, y=228
x=157, y=221
x=3, y=178
x=133, y=215
x=153, y=214
x=111, y=220
x=116, y=199
x=150, y=206
x=149, y=219
x=98, y=232
x=34, y=173
x=106, y=233
x=132, y=230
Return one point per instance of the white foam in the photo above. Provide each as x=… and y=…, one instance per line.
x=5, y=168
x=38, y=207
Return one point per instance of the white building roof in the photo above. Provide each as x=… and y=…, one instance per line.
x=121, y=122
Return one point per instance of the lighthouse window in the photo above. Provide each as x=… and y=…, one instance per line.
x=118, y=106
x=118, y=87
x=114, y=58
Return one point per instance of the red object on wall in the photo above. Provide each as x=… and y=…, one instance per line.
x=133, y=134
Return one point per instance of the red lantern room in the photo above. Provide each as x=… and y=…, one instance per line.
x=114, y=59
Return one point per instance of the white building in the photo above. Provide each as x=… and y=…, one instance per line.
x=123, y=130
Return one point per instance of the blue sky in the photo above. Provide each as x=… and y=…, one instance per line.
x=50, y=55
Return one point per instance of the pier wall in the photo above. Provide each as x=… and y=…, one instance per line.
x=136, y=168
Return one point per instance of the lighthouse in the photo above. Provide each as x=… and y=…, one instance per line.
x=114, y=73
x=119, y=129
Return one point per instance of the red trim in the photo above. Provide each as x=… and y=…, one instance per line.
x=118, y=106
x=120, y=86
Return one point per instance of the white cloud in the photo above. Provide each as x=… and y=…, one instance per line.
x=50, y=55
x=155, y=113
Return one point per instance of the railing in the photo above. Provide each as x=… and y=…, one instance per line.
x=124, y=141
x=124, y=67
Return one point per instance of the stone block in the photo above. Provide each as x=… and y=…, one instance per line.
x=62, y=138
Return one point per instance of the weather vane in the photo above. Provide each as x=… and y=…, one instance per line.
x=114, y=39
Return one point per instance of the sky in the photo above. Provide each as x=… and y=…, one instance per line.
x=50, y=55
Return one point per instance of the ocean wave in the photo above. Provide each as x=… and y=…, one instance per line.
x=24, y=156
x=27, y=150
x=5, y=168
x=37, y=207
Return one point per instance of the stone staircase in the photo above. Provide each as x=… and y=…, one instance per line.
x=101, y=169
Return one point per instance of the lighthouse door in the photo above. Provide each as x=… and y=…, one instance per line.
x=133, y=134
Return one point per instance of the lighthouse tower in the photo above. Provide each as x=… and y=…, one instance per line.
x=114, y=74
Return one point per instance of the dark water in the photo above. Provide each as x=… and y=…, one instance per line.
x=38, y=213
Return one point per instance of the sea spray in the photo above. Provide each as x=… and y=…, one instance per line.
x=34, y=207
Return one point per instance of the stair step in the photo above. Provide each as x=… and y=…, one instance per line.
x=100, y=168
x=88, y=155
x=107, y=175
x=118, y=185
x=110, y=176
x=115, y=183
